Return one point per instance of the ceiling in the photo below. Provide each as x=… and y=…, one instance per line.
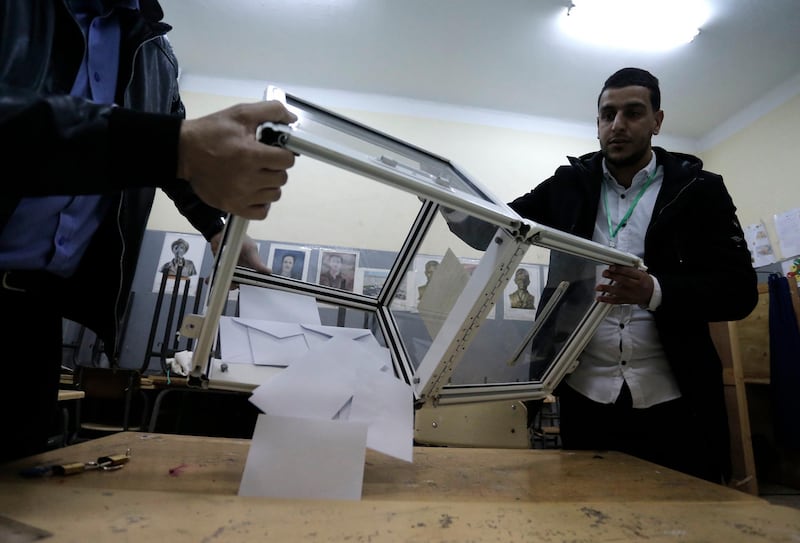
x=506, y=56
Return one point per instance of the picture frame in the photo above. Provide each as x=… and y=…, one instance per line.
x=296, y=257
x=424, y=267
x=522, y=293
x=369, y=281
x=191, y=248
x=337, y=269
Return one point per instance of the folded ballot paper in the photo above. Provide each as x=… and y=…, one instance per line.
x=331, y=394
x=344, y=382
x=272, y=343
x=320, y=414
x=329, y=376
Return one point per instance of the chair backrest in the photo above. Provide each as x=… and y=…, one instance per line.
x=108, y=383
x=175, y=291
x=110, y=393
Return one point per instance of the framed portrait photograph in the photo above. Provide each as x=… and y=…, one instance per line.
x=424, y=268
x=523, y=292
x=337, y=269
x=182, y=252
x=289, y=261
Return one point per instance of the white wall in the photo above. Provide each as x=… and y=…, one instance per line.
x=326, y=206
x=761, y=167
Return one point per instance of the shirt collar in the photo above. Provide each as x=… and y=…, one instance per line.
x=638, y=179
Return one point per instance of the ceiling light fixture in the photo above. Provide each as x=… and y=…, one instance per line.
x=640, y=25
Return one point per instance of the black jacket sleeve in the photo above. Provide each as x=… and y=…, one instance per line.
x=64, y=145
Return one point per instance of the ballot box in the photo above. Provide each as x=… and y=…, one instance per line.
x=472, y=303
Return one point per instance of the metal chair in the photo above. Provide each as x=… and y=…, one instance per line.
x=112, y=397
x=172, y=317
x=546, y=431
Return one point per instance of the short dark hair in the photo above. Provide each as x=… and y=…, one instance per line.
x=180, y=242
x=627, y=77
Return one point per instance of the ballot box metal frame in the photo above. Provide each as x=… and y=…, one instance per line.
x=440, y=185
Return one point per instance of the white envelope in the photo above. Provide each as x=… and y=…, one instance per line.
x=241, y=338
x=297, y=458
x=313, y=387
x=386, y=405
x=363, y=337
x=276, y=305
x=343, y=382
x=271, y=343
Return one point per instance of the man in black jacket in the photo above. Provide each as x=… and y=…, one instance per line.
x=649, y=383
x=91, y=123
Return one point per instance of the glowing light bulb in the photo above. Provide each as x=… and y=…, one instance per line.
x=639, y=25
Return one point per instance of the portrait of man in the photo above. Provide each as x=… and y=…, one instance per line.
x=522, y=292
x=184, y=251
x=337, y=269
x=522, y=298
x=430, y=268
x=288, y=261
x=179, y=249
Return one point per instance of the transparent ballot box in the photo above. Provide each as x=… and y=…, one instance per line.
x=468, y=301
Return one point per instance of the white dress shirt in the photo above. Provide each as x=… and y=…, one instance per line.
x=626, y=347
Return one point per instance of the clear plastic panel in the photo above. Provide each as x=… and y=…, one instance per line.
x=364, y=226
x=489, y=311
x=436, y=277
x=521, y=344
x=522, y=334
x=254, y=333
x=422, y=165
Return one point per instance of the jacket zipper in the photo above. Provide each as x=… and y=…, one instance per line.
x=123, y=249
x=668, y=204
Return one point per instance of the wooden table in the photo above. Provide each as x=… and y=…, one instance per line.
x=182, y=488
x=67, y=394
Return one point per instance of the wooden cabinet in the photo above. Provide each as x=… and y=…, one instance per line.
x=744, y=349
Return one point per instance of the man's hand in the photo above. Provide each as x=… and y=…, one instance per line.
x=227, y=167
x=630, y=286
x=248, y=256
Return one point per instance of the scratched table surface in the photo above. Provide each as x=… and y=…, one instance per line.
x=184, y=488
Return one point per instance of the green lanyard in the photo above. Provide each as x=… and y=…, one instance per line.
x=612, y=232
